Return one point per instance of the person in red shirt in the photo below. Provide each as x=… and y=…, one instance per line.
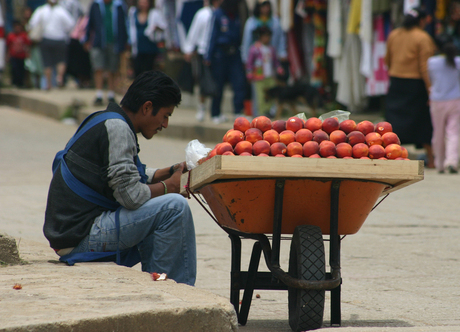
x=18, y=48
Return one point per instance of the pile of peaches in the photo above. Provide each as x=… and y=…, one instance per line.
x=312, y=138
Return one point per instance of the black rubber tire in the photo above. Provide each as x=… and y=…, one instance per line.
x=306, y=262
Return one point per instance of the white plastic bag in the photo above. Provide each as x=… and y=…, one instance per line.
x=339, y=114
x=301, y=116
x=194, y=152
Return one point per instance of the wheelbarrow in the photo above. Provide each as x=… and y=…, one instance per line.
x=252, y=197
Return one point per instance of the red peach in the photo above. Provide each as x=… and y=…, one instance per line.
x=330, y=124
x=347, y=126
x=393, y=151
x=365, y=127
x=297, y=156
x=315, y=156
x=260, y=147
x=360, y=150
x=338, y=136
x=344, y=150
x=327, y=148
x=271, y=136
x=331, y=157
x=234, y=136
x=383, y=158
x=263, y=155
x=245, y=154
x=364, y=158
x=228, y=153
x=405, y=153
x=243, y=146
x=374, y=139
x=279, y=125
x=320, y=135
x=303, y=135
x=224, y=139
x=376, y=151
x=390, y=138
x=313, y=124
x=242, y=124
x=223, y=147
x=294, y=123
x=280, y=155
x=294, y=148
x=310, y=147
x=262, y=123
x=347, y=157
x=400, y=158
x=356, y=137
x=278, y=148
x=287, y=137
x=253, y=135
x=212, y=153
x=383, y=128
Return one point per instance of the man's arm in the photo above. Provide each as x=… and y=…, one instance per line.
x=171, y=182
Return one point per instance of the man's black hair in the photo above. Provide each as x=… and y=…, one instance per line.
x=153, y=86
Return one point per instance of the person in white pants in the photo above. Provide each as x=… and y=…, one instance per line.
x=444, y=71
x=197, y=40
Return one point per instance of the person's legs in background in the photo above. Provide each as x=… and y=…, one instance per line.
x=238, y=81
x=452, y=132
x=97, y=64
x=112, y=59
x=437, y=141
x=219, y=69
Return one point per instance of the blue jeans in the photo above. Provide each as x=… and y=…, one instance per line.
x=228, y=68
x=163, y=231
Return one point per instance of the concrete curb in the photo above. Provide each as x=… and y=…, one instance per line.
x=102, y=297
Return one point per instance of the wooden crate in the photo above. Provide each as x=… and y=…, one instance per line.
x=396, y=173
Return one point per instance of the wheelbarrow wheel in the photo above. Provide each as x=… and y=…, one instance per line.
x=306, y=262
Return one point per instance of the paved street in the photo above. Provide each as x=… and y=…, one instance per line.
x=400, y=271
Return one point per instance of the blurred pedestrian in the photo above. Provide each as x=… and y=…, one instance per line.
x=106, y=38
x=261, y=67
x=33, y=63
x=224, y=57
x=2, y=45
x=263, y=17
x=78, y=62
x=55, y=24
x=197, y=41
x=143, y=50
x=444, y=70
x=407, y=108
x=18, y=48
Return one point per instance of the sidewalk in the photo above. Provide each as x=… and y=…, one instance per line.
x=397, y=270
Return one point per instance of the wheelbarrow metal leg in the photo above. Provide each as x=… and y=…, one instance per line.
x=235, y=282
x=250, y=283
x=277, y=221
x=334, y=254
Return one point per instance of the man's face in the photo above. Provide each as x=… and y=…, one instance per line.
x=153, y=124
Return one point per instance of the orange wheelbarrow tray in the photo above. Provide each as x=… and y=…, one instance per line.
x=251, y=196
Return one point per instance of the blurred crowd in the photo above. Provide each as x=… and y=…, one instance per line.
x=347, y=51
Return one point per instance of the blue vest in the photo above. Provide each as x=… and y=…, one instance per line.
x=128, y=257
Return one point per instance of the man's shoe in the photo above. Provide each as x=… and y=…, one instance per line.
x=98, y=102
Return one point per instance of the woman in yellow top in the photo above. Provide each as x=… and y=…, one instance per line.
x=407, y=107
